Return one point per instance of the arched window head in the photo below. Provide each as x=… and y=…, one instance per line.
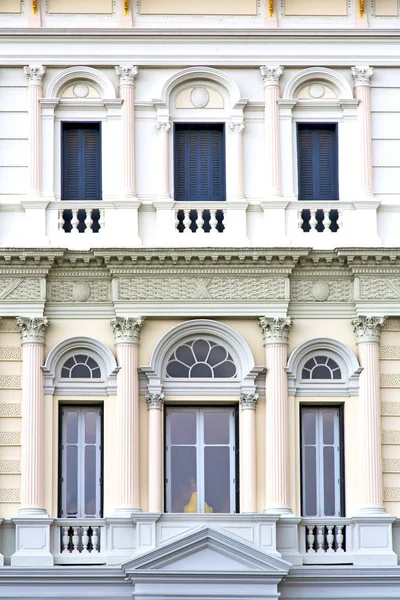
x=80, y=366
x=321, y=367
x=201, y=358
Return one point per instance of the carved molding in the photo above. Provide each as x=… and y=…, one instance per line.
x=248, y=401
x=163, y=126
x=10, y=382
x=9, y=495
x=390, y=409
x=10, y=353
x=126, y=74
x=90, y=291
x=275, y=330
x=367, y=329
x=10, y=467
x=20, y=289
x=8, y=325
x=391, y=494
x=33, y=329
x=391, y=437
x=8, y=409
x=362, y=75
x=391, y=465
x=271, y=74
x=154, y=400
x=236, y=126
x=35, y=74
x=322, y=290
x=10, y=438
x=390, y=380
x=127, y=329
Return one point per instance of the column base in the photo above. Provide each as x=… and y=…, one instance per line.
x=122, y=540
x=287, y=539
x=372, y=540
x=283, y=511
x=32, y=542
x=125, y=512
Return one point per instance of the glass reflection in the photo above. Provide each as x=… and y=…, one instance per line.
x=90, y=427
x=72, y=481
x=183, y=427
x=309, y=427
x=183, y=479
x=72, y=427
x=329, y=481
x=216, y=428
x=90, y=480
x=328, y=427
x=310, y=481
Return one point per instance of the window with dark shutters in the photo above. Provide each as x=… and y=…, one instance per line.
x=81, y=161
x=317, y=162
x=199, y=162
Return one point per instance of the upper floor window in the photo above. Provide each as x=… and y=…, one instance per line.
x=80, y=366
x=81, y=161
x=199, y=154
x=321, y=367
x=201, y=358
x=317, y=150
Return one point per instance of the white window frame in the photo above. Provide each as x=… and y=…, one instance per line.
x=319, y=445
x=81, y=444
x=200, y=453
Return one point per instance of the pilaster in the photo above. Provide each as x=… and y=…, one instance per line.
x=155, y=452
x=248, y=455
x=362, y=90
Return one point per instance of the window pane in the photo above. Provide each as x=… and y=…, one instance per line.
x=328, y=427
x=216, y=427
x=227, y=369
x=69, y=363
x=201, y=370
x=79, y=371
x=329, y=481
x=72, y=427
x=96, y=373
x=217, y=355
x=90, y=480
x=332, y=364
x=321, y=372
x=81, y=358
x=72, y=480
x=201, y=349
x=177, y=369
x=90, y=427
x=64, y=372
x=308, y=428
x=217, y=479
x=185, y=354
x=310, y=482
x=92, y=363
x=183, y=482
x=337, y=374
x=183, y=427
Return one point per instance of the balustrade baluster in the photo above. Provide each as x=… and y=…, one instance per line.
x=339, y=539
x=88, y=221
x=313, y=221
x=187, y=221
x=177, y=220
x=102, y=218
x=85, y=541
x=95, y=540
x=310, y=539
x=61, y=221
x=330, y=539
x=340, y=219
x=213, y=221
x=327, y=221
x=75, y=222
x=65, y=540
x=75, y=540
x=200, y=221
x=320, y=539
x=300, y=220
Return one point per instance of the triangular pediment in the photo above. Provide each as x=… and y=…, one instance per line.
x=207, y=551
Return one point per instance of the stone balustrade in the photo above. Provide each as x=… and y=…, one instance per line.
x=326, y=540
x=79, y=541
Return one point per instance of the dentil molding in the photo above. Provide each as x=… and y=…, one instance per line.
x=127, y=329
x=275, y=330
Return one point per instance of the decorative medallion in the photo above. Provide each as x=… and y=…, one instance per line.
x=320, y=291
x=199, y=97
x=316, y=90
x=80, y=90
x=80, y=292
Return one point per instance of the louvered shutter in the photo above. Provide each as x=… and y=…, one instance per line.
x=199, y=163
x=81, y=165
x=317, y=162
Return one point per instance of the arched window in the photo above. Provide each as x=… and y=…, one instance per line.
x=201, y=358
x=80, y=366
x=321, y=367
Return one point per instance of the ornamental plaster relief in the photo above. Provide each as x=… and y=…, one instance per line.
x=89, y=291
x=390, y=437
x=321, y=290
x=389, y=409
x=375, y=288
x=9, y=495
x=391, y=465
x=10, y=467
x=390, y=380
x=391, y=494
x=8, y=325
x=21, y=289
x=391, y=324
x=11, y=382
x=10, y=353
x=10, y=438
x=10, y=409
x=389, y=352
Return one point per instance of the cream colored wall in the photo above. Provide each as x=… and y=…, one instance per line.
x=194, y=7
x=80, y=6
x=316, y=7
x=10, y=417
x=10, y=6
x=386, y=8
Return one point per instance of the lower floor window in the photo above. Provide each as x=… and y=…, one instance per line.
x=80, y=461
x=200, y=460
x=322, y=461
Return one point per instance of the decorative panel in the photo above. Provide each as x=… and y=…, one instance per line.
x=9, y=495
x=311, y=8
x=10, y=467
x=10, y=353
x=390, y=380
x=391, y=494
x=391, y=465
x=10, y=382
x=389, y=352
x=80, y=6
x=388, y=409
x=194, y=7
x=10, y=438
x=386, y=8
x=391, y=437
x=390, y=325
x=8, y=325
x=10, y=6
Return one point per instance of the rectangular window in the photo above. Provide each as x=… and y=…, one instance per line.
x=200, y=460
x=322, y=461
x=81, y=161
x=317, y=158
x=199, y=157
x=80, y=461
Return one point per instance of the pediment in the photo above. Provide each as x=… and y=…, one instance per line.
x=207, y=551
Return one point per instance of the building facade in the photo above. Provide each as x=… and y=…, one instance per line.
x=199, y=299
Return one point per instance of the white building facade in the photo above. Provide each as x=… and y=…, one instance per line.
x=199, y=299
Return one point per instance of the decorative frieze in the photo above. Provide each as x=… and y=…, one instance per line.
x=391, y=465
x=8, y=409
x=10, y=382
x=248, y=401
x=10, y=353
x=389, y=352
x=10, y=438
x=309, y=290
x=127, y=329
x=20, y=289
x=362, y=75
x=391, y=437
x=154, y=400
x=9, y=495
x=10, y=467
x=35, y=74
x=275, y=330
x=367, y=329
x=126, y=74
x=8, y=325
x=91, y=291
x=390, y=380
x=33, y=329
x=391, y=324
x=379, y=288
x=391, y=494
x=390, y=409
x=271, y=74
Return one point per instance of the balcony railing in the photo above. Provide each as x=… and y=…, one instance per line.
x=326, y=540
x=200, y=221
x=78, y=541
x=81, y=220
x=320, y=220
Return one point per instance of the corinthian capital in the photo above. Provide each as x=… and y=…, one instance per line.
x=32, y=329
x=368, y=329
x=163, y=126
x=248, y=401
x=154, y=400
x=362, y=75
x=271, y=75
x=127, y=329
x=35, y=74
x=275, y=330
x=236, y=126
x=126, y=74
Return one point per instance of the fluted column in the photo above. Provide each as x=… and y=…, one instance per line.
x=248, y=471
x=272, y=166
x=126, y=331
x=33, y=430
x=237, y=129
x=367, y=330
x=362, y=87
x=275, y=332
x=155, y=452
x=35, y=74
x=126, y=75
x=163, y=129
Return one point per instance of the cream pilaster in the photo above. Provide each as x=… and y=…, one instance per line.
x=362, y=88
x=126, y=75
x=367, y=330
x=126, y=331
x=275, y=333
x=237, y=129
x=272, y=166
x=155, y=452
x=163, y=129
x=248, y=471
x=35, y=74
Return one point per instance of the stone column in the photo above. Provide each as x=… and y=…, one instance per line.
x=126, y=331
x=367, y=330
x=362, y=88
x=155, y=452
x=35, y=74
x=32, y=522
x=126, y=75
x=275, y=333
x=272, y=165
x=248, y=471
